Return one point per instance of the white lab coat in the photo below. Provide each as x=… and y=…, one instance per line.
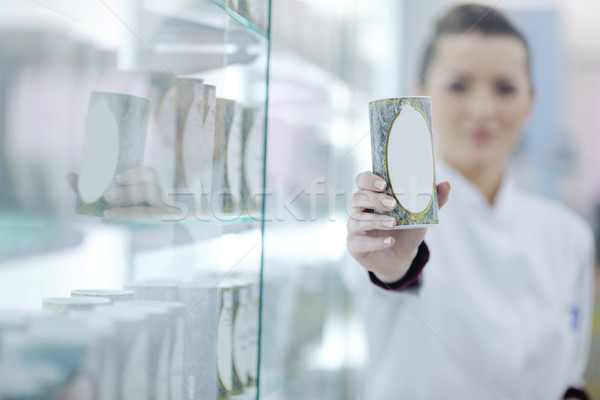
x=503, y=310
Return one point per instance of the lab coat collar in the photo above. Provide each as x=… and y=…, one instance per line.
x=470, y=197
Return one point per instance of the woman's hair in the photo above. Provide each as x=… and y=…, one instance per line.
x=468, y=18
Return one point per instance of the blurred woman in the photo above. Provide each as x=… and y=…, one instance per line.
x=503, y=308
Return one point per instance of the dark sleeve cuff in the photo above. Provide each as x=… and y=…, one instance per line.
x=576, y=394
x=411, y=279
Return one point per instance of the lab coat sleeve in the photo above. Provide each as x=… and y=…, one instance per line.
x=411, y=279
x=583, y=294
x=357, y=280
x=573, y=393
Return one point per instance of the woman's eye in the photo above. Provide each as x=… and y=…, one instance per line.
x=458, y=87
x=505, y=89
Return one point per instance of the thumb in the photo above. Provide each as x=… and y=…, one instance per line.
x=443, y=191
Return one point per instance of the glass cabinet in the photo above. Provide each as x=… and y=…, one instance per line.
x=132, y=170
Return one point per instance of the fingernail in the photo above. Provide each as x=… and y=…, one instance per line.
x=449, y=185
x=110, y=214
x=387, y=240
x=389, y=203
x=110, y=196
x=122, y=178
x=379, y=184
x=388, y=222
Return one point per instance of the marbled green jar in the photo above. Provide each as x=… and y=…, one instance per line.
x=403, y=155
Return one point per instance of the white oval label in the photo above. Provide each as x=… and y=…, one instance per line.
x=234, y=156
x=254, y=159
x=206, y=152
x=224, y=347
x=166, y=116
x=240, y=342
x=192, y=146
x=410, y=160
x=100, y=153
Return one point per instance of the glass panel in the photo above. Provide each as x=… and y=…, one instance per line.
x=132, y=155
x=326, y=58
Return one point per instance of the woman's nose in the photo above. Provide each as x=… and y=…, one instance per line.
x=481, y=105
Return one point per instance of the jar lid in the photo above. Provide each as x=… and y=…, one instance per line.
x=111, y=294
x=58, y=304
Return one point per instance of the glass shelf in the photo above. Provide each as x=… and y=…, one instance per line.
x=178, y=24
x=224, y=221
x=26, y=235
x=242, y=20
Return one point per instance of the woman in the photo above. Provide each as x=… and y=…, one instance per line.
x=503, y=308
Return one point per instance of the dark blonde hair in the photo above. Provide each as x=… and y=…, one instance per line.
x=468, y=18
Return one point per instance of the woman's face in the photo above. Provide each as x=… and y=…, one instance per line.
x=481, y=97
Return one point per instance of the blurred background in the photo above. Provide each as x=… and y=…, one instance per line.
x=326, y=60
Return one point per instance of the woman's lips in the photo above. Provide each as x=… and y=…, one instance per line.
x=482, y=136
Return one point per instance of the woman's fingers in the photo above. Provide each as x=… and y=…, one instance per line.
x=139, y=184
x=137, y=175
x=443, y=191
x=134, y=176
x=362, y=244
x=370, y=222
x=138, y=193
x=368, y=200
x=370, y=184
x=369, y=181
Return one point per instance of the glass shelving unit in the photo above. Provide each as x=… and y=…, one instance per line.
x=188, y=233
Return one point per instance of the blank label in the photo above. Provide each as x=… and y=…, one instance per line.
x=100, y=153
x=410, y=160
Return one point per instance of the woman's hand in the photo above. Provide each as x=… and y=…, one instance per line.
x=371, y=239
x=138, y=185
